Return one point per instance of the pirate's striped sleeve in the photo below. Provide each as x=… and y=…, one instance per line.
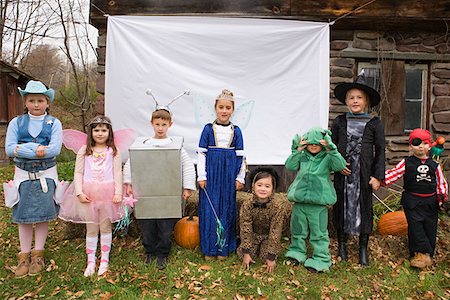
x=395, y=173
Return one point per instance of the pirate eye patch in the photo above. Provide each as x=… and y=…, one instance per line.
x=416, y=142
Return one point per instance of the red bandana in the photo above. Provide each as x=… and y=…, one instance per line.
x=422, y=134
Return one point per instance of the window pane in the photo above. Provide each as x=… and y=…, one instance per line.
x=414, y=84
x=372, y=77
x=413, y=115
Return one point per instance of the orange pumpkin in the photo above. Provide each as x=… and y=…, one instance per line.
x=187, y=232
x=393, y=223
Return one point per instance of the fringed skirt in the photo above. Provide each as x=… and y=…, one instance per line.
x=34, y=205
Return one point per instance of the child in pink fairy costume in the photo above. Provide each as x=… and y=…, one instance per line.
x=95, y=195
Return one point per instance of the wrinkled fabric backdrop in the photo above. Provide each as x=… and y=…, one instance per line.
x=277, y=69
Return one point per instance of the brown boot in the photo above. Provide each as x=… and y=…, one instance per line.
x=23, y=265
x=421, y=260
x=427, y=259
x=37, y=262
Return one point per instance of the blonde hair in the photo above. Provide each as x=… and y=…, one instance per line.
x=225, y=95
x=366, y=96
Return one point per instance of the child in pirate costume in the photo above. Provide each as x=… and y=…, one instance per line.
x=314, y=157
x=261, y=221
x=425, y=189
x=360, y=139
x=34, y=139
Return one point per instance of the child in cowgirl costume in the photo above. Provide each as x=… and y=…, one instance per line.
x=34, y=139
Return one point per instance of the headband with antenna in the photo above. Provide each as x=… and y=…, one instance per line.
x=166, y=107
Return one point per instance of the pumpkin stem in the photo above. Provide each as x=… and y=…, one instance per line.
x=191, y=216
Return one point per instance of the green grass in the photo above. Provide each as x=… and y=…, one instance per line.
x=189, y=276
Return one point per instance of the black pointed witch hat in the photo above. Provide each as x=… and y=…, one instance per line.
x=340, y=91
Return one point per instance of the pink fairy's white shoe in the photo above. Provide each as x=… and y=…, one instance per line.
x=90, y=269
x=103, y=267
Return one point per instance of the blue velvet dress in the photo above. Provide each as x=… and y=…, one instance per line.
x=222, y=167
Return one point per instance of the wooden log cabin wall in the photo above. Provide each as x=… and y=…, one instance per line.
x=412, y=71
x=403, y=47
x=11, y=103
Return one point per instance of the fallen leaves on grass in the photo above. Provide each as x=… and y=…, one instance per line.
x=106, y=296
x=204, y=268
x=31, y=294
x=52, y=266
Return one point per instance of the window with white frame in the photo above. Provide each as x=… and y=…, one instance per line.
x=415, y=90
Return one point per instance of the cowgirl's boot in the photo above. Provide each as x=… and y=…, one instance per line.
x=363, y=254
x=23, y=265
x=342, y=245
x=37, y=262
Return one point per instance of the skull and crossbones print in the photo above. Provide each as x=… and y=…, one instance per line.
x=423, y=173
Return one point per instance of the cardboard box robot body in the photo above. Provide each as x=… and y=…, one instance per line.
x=156, y=175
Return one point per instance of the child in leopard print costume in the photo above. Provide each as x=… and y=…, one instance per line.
x=261, y=221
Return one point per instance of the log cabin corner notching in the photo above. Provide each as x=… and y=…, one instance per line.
x=11, y=103
x=403, y=47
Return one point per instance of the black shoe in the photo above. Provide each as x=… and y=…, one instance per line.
x=363, y=259
x=342, y=247
x=312, y=270
x=363, y=254
x=293, y=261
x=161, y=262
x=149, y=259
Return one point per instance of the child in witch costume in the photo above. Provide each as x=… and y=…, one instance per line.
x=221, y=171
x=261, y=221
x=314, y=157
x=360, y=139
x=425, y=189
x=34, y=139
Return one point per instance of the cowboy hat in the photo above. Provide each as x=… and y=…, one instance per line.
x=37, y=87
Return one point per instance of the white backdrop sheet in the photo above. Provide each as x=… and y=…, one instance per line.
x=277, y=69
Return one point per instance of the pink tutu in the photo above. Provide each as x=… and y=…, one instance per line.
x=99, y=209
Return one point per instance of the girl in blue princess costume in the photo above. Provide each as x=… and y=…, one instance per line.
x=221, y=171
x=34, y=140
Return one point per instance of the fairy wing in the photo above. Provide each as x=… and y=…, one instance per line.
x=203, y=109
x=123, y=139
x=74, y=139
x=242, y=114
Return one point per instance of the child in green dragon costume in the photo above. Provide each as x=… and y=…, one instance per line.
x=314, y=156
